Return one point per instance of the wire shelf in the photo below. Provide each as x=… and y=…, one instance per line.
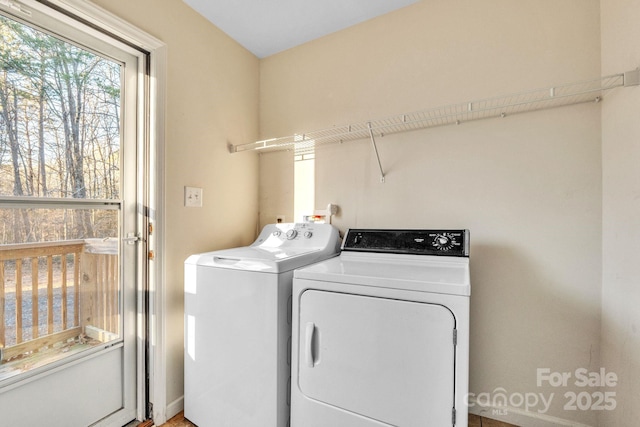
x=540, y=99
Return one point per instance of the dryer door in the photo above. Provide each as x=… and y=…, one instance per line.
x=387, y=360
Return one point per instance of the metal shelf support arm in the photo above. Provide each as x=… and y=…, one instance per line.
x=375, y=150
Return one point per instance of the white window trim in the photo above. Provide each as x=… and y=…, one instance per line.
x=157, y=102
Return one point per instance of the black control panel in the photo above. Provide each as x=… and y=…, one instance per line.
x=415, y=242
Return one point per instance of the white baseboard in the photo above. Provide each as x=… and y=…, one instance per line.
x=175, y=407
x=519, y=416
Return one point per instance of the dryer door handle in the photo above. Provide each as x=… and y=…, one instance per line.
x=309, y=337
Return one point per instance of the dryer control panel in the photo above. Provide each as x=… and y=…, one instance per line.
x=415, y=242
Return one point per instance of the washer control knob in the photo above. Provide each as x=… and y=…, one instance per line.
x=291, y=234
x=308, y=234
x=276, y=233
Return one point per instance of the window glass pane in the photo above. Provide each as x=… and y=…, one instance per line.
x=303, y=186
x=59, y=117
x=58, y=297
x=60, y=138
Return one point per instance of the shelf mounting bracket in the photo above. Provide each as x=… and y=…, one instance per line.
x=632, y=78
x=375, y=150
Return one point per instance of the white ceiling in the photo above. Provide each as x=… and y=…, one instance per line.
x=266, y=27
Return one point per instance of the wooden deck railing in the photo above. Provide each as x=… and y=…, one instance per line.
x=73, y=284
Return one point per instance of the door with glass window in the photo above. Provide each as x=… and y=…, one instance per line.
x=68, y=223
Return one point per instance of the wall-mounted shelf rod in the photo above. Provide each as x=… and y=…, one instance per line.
x=540, y=99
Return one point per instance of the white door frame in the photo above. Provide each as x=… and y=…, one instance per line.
x=106, y=21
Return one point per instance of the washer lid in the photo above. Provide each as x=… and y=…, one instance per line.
x=259, y=259
x=278, y=248
x=437, y=274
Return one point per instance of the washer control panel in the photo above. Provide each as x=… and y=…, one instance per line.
x=417, y=242
x=295, y=235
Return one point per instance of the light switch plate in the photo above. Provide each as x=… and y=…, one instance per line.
x=193, y=197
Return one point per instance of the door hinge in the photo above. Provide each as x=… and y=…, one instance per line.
x=150, y=229
x=453, y=416
x=455, y=337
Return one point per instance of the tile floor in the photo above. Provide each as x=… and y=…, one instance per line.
x=474, y=421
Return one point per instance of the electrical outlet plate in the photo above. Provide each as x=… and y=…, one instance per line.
x=193, y=197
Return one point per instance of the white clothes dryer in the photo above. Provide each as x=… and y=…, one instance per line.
x=238, y=326
x=381, y=333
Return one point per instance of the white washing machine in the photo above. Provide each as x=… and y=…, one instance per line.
x=238, y=326
x=381, y=333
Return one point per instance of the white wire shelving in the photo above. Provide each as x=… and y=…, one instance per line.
x=502, y=106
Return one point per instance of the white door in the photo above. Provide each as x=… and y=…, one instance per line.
x=386, y=360
x=69, y=196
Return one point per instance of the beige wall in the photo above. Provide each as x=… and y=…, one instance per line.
x=528, y=187
x=536, y=190
x=212, y=100
x=621, y=207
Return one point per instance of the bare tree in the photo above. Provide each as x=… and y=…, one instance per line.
x=59, y=130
